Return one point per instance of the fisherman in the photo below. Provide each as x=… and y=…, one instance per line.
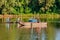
x=32, y=20
x=36, y=30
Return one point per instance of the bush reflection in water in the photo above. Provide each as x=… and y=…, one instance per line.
x=14, y=33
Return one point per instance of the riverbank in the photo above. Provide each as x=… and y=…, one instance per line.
x=31, y=15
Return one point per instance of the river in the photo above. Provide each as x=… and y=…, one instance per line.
x=14, y=33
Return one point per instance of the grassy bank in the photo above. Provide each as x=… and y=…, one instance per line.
x=42, y=17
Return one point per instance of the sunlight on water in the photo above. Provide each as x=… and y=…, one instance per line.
x=57, y=34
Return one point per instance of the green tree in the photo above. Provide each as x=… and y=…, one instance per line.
x=34, y=5
x=29, y=6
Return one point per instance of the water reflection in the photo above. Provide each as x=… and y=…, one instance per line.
x=57, y=34
x=43, y=35
x=15, y=33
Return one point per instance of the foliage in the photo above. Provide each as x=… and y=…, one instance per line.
x=29, y=6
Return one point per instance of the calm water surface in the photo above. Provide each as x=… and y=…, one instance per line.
x=14, y=33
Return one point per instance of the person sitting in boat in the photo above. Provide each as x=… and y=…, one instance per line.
x=8, y=20
x=38, y=19
x=37, y=29
x=32, y=20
